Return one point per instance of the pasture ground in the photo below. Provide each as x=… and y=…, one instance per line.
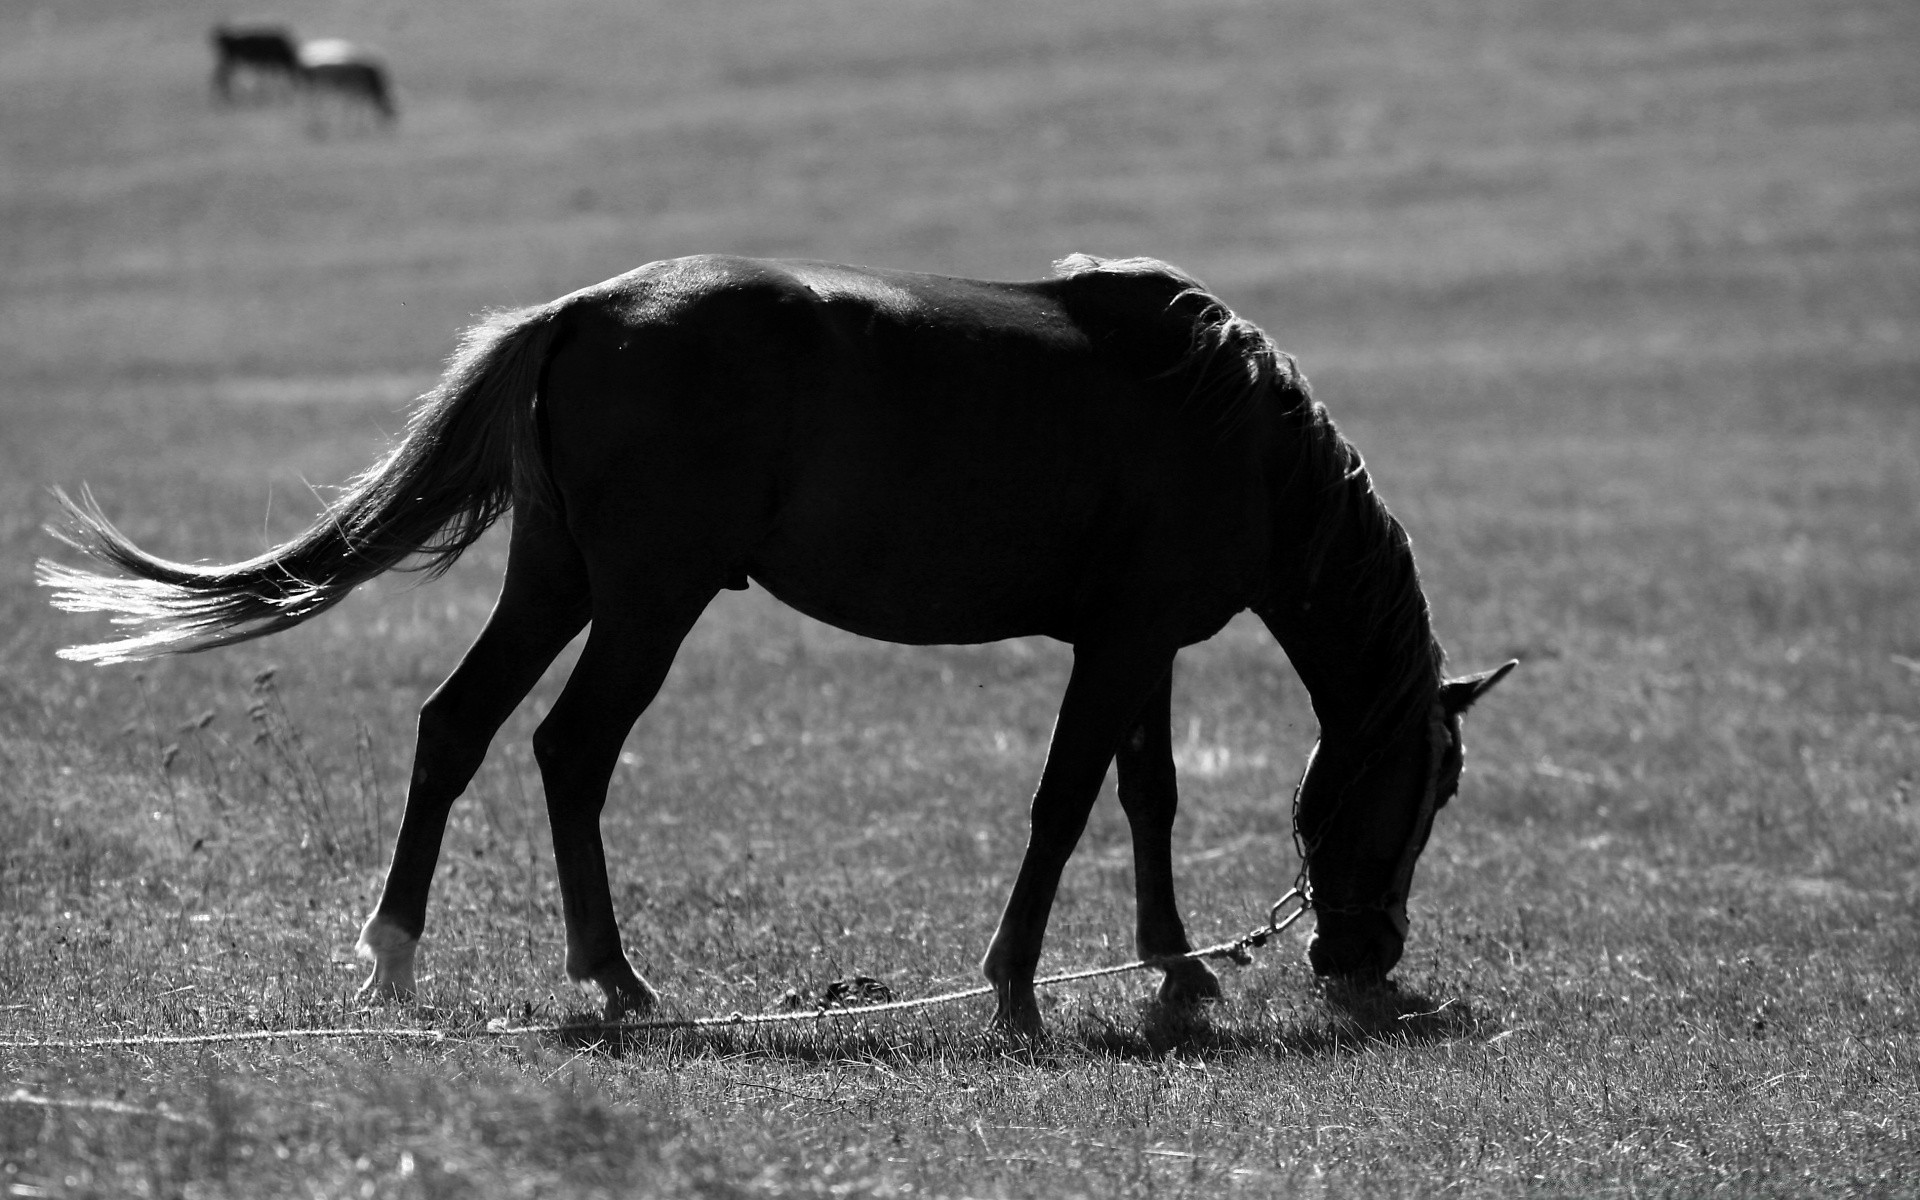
x=1622, y=300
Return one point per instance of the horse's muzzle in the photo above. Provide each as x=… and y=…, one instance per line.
x=1358, y=945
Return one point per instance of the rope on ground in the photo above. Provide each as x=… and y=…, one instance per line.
x=24, y=1098
x=1236, y=951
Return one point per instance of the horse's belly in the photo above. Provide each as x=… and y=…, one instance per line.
x=921, y=589
x=946, y=567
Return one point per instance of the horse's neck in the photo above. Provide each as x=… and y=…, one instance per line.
x=1351, y=673
x=1348, y=610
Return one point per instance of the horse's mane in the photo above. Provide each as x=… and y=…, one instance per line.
x=1358, y=560
x=1229, y=366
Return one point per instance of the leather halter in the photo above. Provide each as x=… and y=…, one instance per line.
x=1392, y=901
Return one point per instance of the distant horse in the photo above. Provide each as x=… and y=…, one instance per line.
x=1109, y=457
x=335, y=69
x=262, y=54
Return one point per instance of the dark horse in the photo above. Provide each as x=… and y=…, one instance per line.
x=1109, y=457
x=265, y=53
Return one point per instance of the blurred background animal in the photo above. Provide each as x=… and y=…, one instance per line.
x=262, y=59
x=342, y=78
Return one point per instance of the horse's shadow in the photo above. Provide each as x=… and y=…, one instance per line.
x=1340, y=1017
x=1335, y=1018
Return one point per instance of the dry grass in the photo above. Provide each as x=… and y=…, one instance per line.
x=1620, y=300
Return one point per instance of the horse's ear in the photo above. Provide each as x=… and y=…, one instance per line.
x=1458, y=695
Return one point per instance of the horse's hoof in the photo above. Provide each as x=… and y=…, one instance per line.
x=629, y=1003
x=1189, y=984
x=392, y=951
x=1017, y=1013
x=379, y=991
x=1021, y=1027
x=626, y=994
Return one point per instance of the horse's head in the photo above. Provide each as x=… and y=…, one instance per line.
x=1363, y=814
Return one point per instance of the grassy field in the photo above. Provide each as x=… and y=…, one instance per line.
x=1622, y=301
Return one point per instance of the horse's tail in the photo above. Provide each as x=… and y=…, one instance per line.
x=471, y=451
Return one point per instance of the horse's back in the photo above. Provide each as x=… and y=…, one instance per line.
x=266, y=51
x=915, y=457
x=1085, y=328
x=331, y=52
x=273, y=43
x=905, y=364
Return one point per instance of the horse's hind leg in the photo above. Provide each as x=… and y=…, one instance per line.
x=1150, y=796
x=543, y=603
x=637, y=628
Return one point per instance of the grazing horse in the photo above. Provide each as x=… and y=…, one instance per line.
x=265, y=53
x=1109, y=457
x=340, y=69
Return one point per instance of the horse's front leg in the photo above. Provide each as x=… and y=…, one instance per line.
x=543, y=603
x=1105, y=691
x=1150, y=796
x=620, y=670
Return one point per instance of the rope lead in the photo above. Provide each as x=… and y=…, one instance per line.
x=1236, y=951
